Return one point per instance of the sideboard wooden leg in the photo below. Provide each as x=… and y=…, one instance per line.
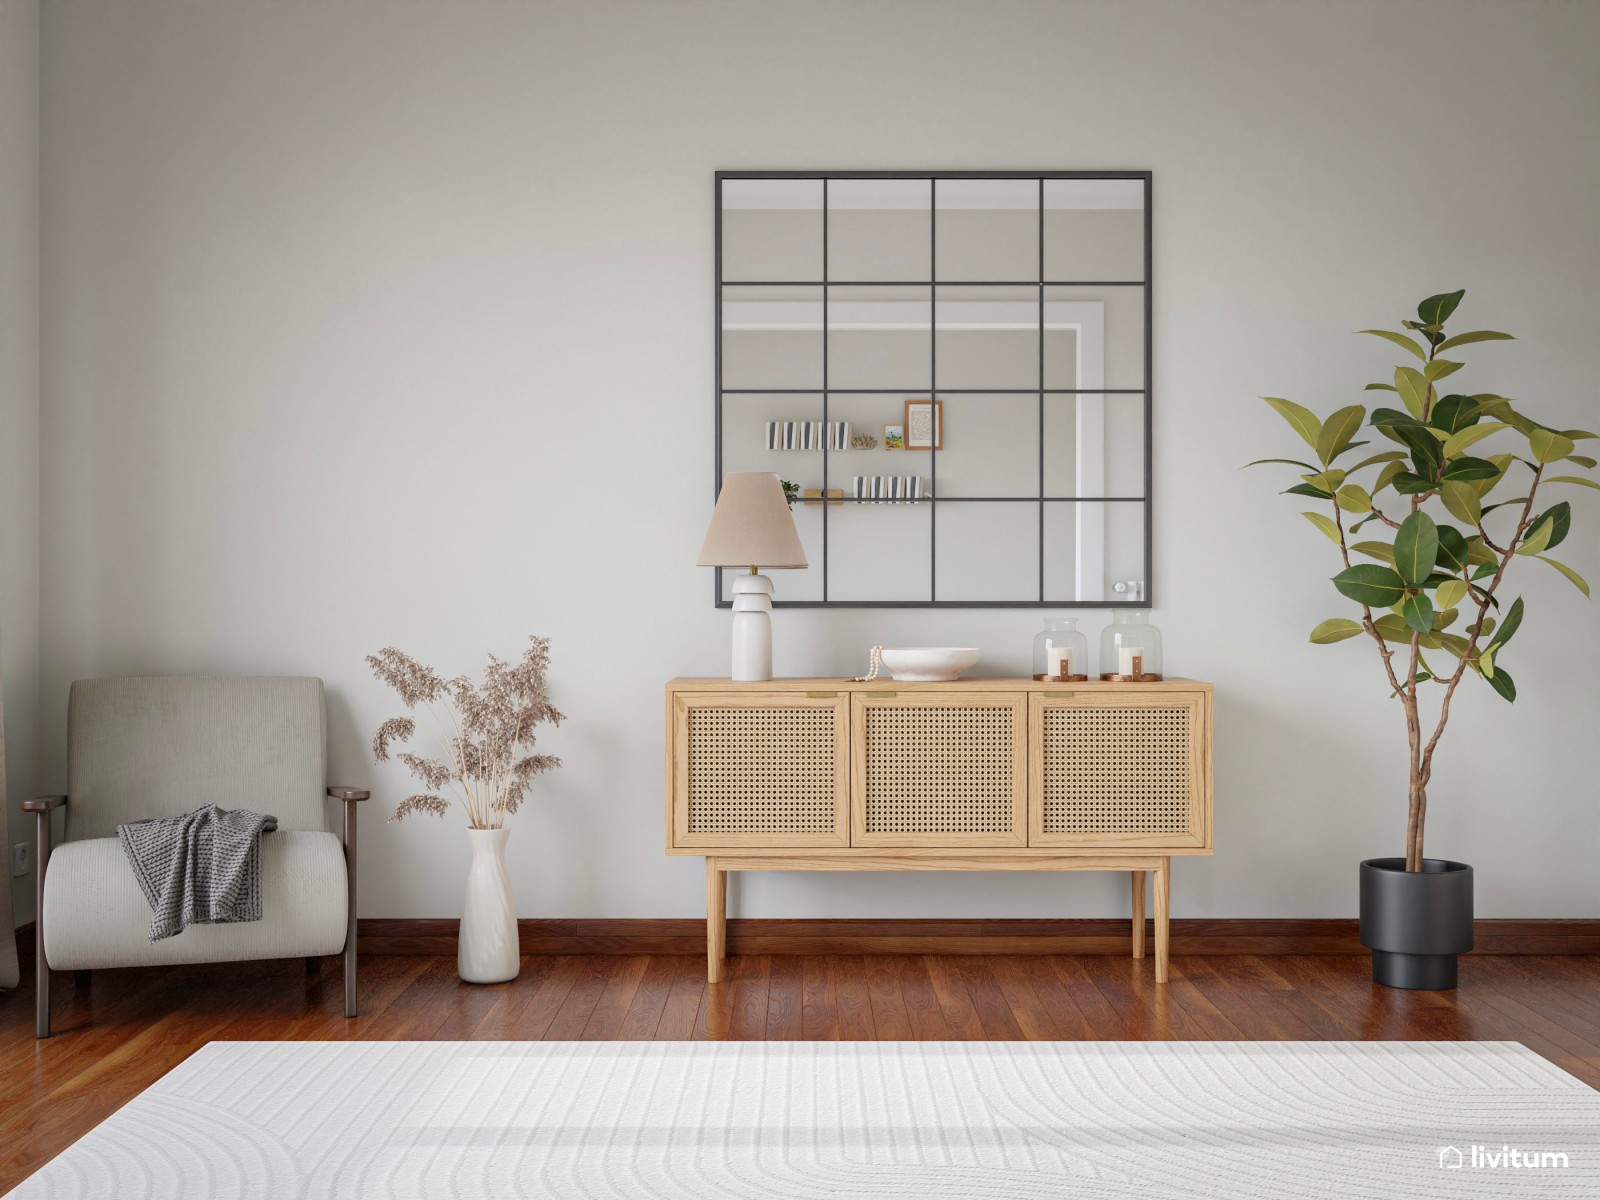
x=716, y=919
x=1163, y=889
x=1138, y=913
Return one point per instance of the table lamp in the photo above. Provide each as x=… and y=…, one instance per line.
x=752, y=527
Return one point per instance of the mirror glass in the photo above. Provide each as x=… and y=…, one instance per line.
x=951, y=370
x=772, y=230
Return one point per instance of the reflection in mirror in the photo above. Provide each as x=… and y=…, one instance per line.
x=772, y=230
x=1094, y=230
x=879, y=338
x=771, y=338
x=880, y=552
x=990, y=448
x=987, y=230
x=1094, y=337
x=880, y=230
x=1090, y=546
x=986, y=551
x=1096, y=445
x=845, y=300
x=987, y=337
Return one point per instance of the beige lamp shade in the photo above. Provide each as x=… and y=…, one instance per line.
x=751, y=526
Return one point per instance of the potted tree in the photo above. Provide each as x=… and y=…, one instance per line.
x=1426, y=532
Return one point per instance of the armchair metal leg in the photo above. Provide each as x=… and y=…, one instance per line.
x=351, y=1008
x=41, y=968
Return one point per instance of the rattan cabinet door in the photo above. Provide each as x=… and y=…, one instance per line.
x=760, y=769
x=938, y=769
x=1129, y=769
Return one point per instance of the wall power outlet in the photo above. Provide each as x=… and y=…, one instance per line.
x=21, y=859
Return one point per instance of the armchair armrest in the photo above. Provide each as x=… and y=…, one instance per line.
x=339, y=793
x=43, y=804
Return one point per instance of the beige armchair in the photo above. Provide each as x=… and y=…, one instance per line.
x=164, y=746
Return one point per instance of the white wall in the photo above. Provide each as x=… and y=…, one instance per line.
x=372, y=323
x=19, y=429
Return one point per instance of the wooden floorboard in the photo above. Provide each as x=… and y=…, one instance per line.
x=125, y=1029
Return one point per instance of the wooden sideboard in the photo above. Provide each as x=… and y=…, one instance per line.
x=974, y=775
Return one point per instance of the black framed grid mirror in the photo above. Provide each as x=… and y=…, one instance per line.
x=953, y=370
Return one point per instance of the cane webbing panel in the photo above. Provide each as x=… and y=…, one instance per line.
x=1116, y=770
x=939, y=770
x=761, y=770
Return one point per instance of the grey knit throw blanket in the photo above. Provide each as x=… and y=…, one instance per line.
x=203, y=868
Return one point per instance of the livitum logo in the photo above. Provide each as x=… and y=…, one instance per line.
x=1505, y=1158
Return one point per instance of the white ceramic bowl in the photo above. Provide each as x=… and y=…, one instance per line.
x=929, y=664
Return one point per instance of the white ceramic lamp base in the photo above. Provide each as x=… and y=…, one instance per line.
x=752, y=628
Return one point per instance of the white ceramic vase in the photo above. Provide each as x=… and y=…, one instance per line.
x=487, y=945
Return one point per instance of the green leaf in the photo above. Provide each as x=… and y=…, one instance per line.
x=1440, y=367
x=1399, y=339
x=1470, y=435
x=1467, y=467
x=1417, y=611
x=1352, y=497
x=1578, y=581
x=1416, y=547
x=1379, y=387
x=1477, y=335
x=1454, y=412
x=1578, y=479
x=1382, y=417
x=1329, y=481
x=1549, y=446
x=1301, y=418
x=1462, y=502
x=1287, y=462
x=1448, y=595
x=1426, y=455
x=1413, y=389
x=1454, y=643
x=1583, y=460
x=1579, y=435
x=1508, y=625
x=1388, y=474
x=1443, y=618
x=1383, y=456
x=1480, y=556
x=1452, y=550
x=1501, y=462
x=1382, y=551
x=1501, y=682
x=1335, y=629
x=1305, y=489
x=1408, y=483
x=1324, y=523
x=1370, y=584
x=1538, y=538
x=1561, y=517
x=1436, y=310
x=1337, y=431
x=1392, y=628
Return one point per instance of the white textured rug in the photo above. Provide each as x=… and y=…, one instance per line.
x=692, y=1121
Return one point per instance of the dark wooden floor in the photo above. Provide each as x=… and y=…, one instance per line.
x=127, y=1028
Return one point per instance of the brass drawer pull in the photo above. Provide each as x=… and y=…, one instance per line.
x=1061, y=695
x=822, y=695
x=883, y=695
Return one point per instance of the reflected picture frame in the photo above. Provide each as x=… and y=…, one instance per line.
x=924, y=425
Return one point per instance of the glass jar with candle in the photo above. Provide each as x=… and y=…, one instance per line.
x=1130, y=648
x=1060, y=652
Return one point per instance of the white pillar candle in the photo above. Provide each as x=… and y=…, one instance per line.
x=1125, y=660
x=1060, y=660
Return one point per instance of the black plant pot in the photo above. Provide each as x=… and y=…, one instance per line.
x=1416, y=922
